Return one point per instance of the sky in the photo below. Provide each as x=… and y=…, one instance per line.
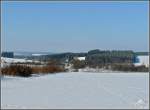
x=74, y=26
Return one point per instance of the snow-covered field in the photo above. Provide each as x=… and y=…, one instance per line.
x=77, y=90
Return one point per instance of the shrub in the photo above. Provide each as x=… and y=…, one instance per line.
x=77, y=64
x=17, y=70
x=26, y=71
x=129, y=67
x=47, y=69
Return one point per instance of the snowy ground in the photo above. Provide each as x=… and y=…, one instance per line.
x=77, y=90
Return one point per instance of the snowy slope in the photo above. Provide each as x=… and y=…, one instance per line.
x=7, y=61
x=76, y=90
x=14, y=60
x=142, y=60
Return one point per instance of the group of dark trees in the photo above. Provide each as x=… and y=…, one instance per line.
x=100, y=58
x=62, y=57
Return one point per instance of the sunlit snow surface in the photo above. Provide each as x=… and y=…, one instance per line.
x=76, y=90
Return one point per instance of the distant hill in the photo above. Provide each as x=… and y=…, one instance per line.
x=32, y=53
x=141, y=53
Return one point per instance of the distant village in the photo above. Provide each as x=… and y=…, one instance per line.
x=94, y=60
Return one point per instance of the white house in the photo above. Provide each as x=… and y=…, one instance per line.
x=79, y=58
x=142, y=60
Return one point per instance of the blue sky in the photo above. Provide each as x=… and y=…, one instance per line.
x=74, y=26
